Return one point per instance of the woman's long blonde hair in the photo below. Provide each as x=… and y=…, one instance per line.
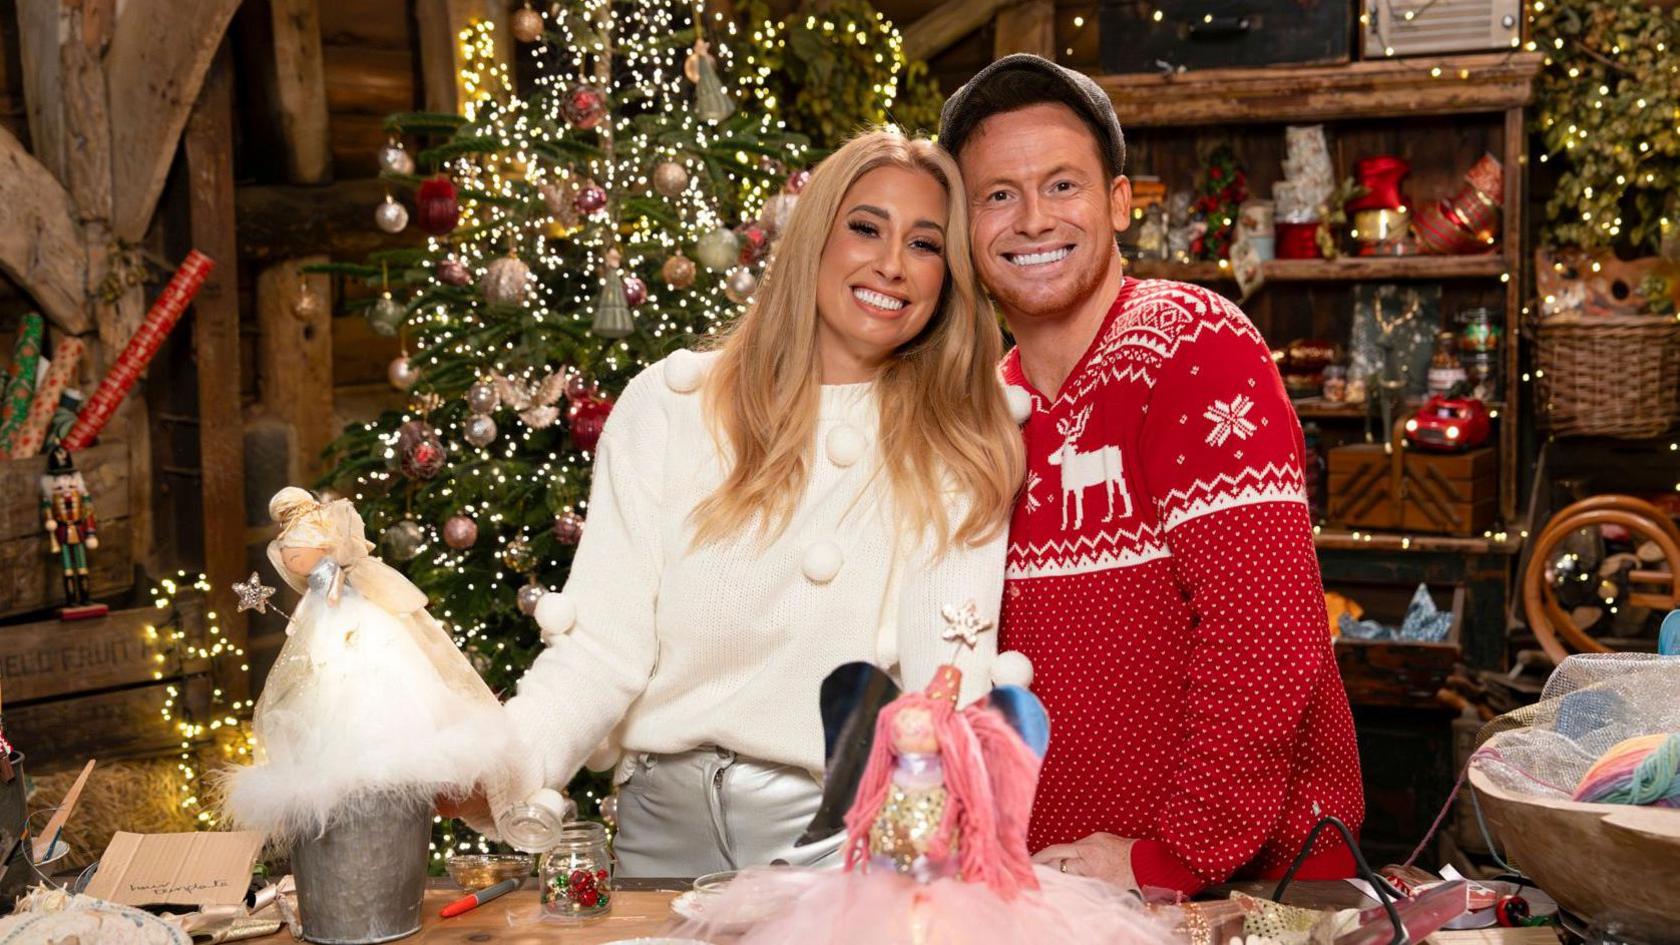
x=945, y=430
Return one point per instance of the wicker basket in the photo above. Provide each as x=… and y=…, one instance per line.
x=1609, y=376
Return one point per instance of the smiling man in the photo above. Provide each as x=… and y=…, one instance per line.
x=1161, y=571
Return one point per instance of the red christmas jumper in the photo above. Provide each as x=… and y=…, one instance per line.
x=1162, y=579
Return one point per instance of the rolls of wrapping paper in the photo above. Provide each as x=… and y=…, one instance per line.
x=20, y=390
x=67, y=354
x=165, y=312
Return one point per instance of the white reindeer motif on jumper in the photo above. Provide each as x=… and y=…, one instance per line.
x=1083, y=470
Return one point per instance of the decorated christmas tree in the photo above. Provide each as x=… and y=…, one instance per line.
x=578, y=229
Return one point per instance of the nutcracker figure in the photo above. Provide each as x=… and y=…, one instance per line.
x=67, y=516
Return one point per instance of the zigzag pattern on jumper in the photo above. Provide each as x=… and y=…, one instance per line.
x=1115, y=548
x=1160, y=318
x=1225, y=490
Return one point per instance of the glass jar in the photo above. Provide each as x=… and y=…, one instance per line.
x=577, y=873
x=1335, y=383
x=1446, y=371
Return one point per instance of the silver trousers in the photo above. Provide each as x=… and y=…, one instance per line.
x=706, y=810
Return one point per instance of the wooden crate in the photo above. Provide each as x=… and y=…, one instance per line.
x=29, y=573
x=1444, y=493
x=98, y=687
x=1396, y=673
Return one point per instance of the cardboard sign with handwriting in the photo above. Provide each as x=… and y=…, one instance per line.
x=182, y=869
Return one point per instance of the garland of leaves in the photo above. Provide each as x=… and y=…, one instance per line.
x=830, y=74
x=1608, y=111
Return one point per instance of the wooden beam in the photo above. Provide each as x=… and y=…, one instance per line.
x=1481, y=82
x=40, y=244
x=40, y=31
x=945, y=24
x=157, y=60
x=295, y=361
x=208, y=147
x=1028, y=27
x=282, y=222
x=437, y=55
x=301, y=84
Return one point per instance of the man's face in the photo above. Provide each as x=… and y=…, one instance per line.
x=1043, y=214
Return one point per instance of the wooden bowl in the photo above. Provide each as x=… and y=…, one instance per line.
x=1599, y=861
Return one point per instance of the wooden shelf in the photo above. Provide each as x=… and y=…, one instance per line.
x=1343, y=269
x=1449, y=85
x=1318, y=409
x=1337, y=539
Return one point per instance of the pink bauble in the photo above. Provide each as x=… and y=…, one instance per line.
x=451, y=271
x=590, y=198
x=460, y=531
x=635, y=290
x=797, y=180
x=568, y=528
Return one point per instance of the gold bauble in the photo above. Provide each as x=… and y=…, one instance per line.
x=526, y=24
x=678, y=272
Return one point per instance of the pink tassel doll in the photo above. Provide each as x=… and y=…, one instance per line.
x=936, y=848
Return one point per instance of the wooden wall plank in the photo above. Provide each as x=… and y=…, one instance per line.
x=127, y=723
x=40, y=30
x=946, y=24
x=295, y=361
x=30, y=576
x=1028, y=27
x=208, y=146
x=301, y=83
x=104, y=467
x=40, y=245
x=42, y=660
x=157, y=60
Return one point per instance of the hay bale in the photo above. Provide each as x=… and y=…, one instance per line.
x=142, y=796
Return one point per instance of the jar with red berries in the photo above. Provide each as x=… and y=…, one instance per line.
x=577, y=873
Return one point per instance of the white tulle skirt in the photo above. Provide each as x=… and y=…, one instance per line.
x=363, y=702
x=830, y=907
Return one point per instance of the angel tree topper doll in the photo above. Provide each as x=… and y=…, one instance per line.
x=369, y=698
x=936, y=837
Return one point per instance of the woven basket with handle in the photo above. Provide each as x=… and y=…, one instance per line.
x=1609, y=376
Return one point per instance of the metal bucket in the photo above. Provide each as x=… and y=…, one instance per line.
x=14, y=812
x=362, y=881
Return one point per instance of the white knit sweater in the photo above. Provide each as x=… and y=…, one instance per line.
x=664, y=648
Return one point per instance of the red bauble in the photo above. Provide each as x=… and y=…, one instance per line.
x=420, y=451
x=578, y=386
x=635, y=290
x=590, y=198
x=568, y=528
x=581, y=878
x=584, y=106
x=601, y=875
x=755, y=243
x=587, y=417
x=797, y=181
x=435, y=209
x=452, y=271
x=588, y=898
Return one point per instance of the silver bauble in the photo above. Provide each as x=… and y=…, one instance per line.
x=778, y=210
x=402, y=373
x=719, y=249
x=404, y=539
x=670, y=178
x=391, y=216
x=481, y=397
x=528, y=597
x=609, y=809
x=480, y=431
x=460, y=531
x=395, y=159
x=526, y=25
x=506, y=281
x=740, y=284
x=386, y=315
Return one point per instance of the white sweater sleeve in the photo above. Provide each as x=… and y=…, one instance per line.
x=963, y=574
x=601, y=642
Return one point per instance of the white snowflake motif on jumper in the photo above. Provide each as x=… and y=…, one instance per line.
x=1229, y=419
x=1080, y=471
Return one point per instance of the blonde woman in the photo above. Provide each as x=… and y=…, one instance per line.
x=806, y=494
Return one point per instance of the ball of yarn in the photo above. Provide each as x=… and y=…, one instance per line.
x=1643, y=770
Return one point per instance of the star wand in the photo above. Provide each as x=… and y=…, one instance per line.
x=254, y=594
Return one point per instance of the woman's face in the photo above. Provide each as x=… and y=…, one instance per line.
x=881, y=272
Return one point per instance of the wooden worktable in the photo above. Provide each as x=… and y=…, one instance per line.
x=514, y=919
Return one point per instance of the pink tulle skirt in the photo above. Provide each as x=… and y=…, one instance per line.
x=786, y=906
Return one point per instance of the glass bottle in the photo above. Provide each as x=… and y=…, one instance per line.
x=576, y=873
x=1445, y=369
